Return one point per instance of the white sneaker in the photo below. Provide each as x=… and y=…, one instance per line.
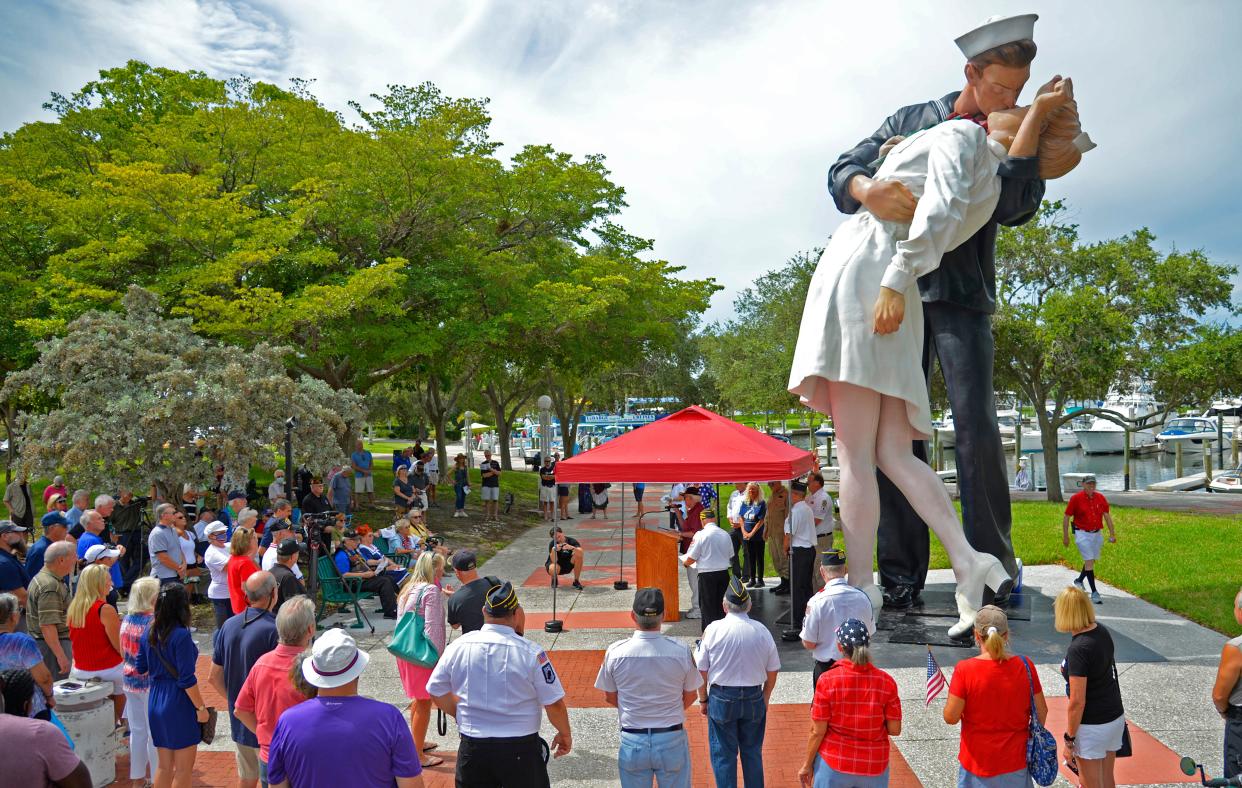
x=693, y=613
x=1095, y=597
x=1080, y=585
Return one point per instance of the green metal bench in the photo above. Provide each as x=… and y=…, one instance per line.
x=341, y=592
x=400, y=559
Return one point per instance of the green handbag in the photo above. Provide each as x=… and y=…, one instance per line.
x=409, y=640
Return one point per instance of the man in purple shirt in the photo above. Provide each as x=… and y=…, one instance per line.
x=306, y=748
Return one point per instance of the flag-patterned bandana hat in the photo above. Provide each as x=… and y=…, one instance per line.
x=853, y=632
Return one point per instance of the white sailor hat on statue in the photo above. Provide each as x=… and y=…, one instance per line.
x=996, y=31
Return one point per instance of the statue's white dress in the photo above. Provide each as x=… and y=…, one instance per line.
x=951, y=169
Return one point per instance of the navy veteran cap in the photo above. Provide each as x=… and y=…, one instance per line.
x=649, y=602
x=832, y=558
x=53, y=518
x=798, y=487
x=737, y=593
x=288, y=547
x=853, y=632
x=501, y=600
x=464, y=560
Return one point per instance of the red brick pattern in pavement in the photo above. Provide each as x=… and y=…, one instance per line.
x=1152, y=762
x=602, y=575
x=606, y=619
x=577, y=671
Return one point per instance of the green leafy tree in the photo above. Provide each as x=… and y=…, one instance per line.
x=748, y=357
x=141, y=399
x=1075, y=319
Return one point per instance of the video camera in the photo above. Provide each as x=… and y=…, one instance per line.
x=432, y=542
x=314, y=524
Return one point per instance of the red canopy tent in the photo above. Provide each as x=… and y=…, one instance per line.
x=691, y=445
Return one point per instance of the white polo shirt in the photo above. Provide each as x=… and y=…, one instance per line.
x=821, y=506
x=269, y=560
x=502, y=680
x=711, y=549
x=737, y=651
x=649, y=672
x=800, y=525
x=835, y=603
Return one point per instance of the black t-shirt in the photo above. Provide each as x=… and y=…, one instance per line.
x=547, y=470
x=420, y=481
x=1090, y=654
x=125, y=517
x=465, y=606
x=491, y=481
x=287, y=584
x=315, y=504
x=562, y=558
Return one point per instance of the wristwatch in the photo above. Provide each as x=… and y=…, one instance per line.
x=1068, y=739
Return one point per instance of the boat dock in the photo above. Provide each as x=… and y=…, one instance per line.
x=1194, y=481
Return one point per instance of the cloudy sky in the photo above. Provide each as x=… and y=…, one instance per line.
x=719, y=117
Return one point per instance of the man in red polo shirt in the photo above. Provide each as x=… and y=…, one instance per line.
x=1089, y=511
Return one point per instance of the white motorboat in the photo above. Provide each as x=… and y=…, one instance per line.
x=1032, y=439
x=1227, y=482
x=1107, y=437
x=1191, y=432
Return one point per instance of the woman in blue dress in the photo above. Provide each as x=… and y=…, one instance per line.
x=176, y=709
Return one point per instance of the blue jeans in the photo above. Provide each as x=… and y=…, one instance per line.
x=736, y=719
x=1018, y=779
x=827, y=777
x=664, y=756
x=460, y=491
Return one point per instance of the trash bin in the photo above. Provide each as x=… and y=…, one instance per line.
x=85, y=709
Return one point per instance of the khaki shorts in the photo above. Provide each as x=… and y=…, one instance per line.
x=364, y=484
x=247, y=762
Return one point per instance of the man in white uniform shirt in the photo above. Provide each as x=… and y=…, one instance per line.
x=496, y=685
x=710, y=552
x=800, y=545
x=739, y=663
x=651, y=679
x=830, y=608
x=821, y=506
x=282, y=531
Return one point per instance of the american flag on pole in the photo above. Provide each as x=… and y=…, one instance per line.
x=935, y=679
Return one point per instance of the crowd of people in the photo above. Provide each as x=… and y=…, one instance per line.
x=291, y=697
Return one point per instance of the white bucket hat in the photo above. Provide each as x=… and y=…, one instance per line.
x=335, y=660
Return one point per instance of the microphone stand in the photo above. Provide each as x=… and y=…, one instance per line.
x=554, y=624
x=621, y=584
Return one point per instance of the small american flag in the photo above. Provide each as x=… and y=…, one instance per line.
x=935, y=679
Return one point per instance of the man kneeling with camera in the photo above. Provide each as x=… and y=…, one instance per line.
x=564, y=556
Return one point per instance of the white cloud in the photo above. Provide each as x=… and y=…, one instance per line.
x=719, y=118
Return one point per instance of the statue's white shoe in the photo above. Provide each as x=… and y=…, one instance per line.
x=876, y=596
x=986, y=579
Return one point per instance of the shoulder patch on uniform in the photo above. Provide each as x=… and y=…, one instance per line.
x=549, y=675
x=543, y=657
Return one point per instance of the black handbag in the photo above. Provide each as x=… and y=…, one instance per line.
x=1127, y=749
x=208, y=728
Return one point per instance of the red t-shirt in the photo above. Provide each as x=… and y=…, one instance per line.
x=856, y=702
x=692, y=524
x=239, y=568
x=997, y=714
x=1087, y=514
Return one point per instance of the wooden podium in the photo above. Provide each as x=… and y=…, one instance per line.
x=657, y=565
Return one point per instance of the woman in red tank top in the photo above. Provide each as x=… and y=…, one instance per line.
x=95, y=632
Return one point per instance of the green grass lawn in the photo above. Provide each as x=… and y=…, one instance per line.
x=1189, y=564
